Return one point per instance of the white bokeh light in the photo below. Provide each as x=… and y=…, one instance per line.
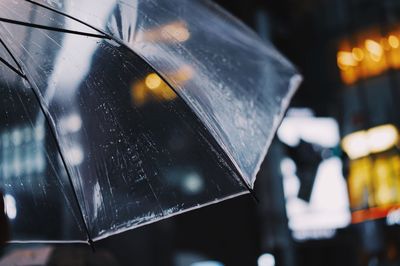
x=266, y=260
x=10, y=206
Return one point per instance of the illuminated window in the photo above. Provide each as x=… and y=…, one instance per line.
x=21, y=152
x=374, y=172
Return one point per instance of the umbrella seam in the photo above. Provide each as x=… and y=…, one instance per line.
x=32, y=25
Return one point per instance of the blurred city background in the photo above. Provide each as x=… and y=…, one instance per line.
x=329, y=189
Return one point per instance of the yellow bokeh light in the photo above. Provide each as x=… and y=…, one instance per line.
x=184, y=74
x=356, y=144
x=151, y=88
x=177, y=31
x=138, y=93
x=377, y=139
x=358, y=54
x=172, y=32
x=382, y=138
x=374, y=48
x=153, y=81
x=168, y=94
x=345, y=59
x=394, y=41
x=359, y=182
x=371, y=55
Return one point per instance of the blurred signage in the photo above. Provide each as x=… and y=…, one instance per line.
x=374, y=186
x=327, y=207
x=374, y=172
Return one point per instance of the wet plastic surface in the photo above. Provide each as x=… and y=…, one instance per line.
x=32, y=179
x=135, y=151
x=237, y=84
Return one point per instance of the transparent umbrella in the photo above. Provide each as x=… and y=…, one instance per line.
x=119, y=113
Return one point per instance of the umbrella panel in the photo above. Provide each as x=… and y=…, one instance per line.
x=135, y=152
x=38, y=196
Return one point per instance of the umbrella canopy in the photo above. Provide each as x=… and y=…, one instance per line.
x=119, y=113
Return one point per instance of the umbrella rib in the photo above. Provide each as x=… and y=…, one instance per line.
x=12, y=56
x=19, y=73
x=68, y=16
x=54, y=135
x=38, y=26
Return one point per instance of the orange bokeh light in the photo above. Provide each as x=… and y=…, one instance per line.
x=371, y=55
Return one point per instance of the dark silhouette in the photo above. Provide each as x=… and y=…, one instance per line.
x=4, y=226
